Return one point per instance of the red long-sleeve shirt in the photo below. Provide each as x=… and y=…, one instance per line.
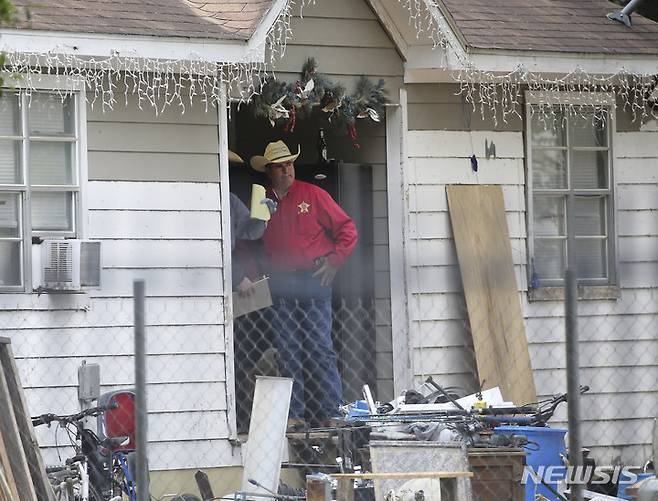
x=306, y=225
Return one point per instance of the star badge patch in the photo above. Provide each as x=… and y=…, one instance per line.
x=303, y=208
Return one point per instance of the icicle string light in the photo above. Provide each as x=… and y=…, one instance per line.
x=161, y=84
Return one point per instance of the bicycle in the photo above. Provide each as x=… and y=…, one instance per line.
x=98, y=471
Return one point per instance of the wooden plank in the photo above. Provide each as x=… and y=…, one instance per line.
x=170, y=138
x=162, y=282
x=127, y=110
x=634, y=275
x=637, y=196
x=136, y=195
x=436, y=225
x=343, y=33
x=161, y=253
x=458, y=171
x=441, y=252
x=12, y=303
x=446, y=360
x=637, y=145
x=593, y=328
x=8, y=488
x=637, y=223
x=640, y=353
x=336, y=11
x=154, y=224
x=119, y=370
x=12, y=432
x=117, y=312
x=617, y=379
x=432, y=198
x=636, y=170
x=460, y=144
x=153, y=166
x=185, y=397
x=437, y=279
x=90, y=341
x=638, y=249
x=485, y=261
x=449, y=116
x=343, y=60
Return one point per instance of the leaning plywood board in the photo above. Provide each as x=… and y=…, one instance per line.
x=39, y=487
x=477, y=214
x=20, y=469
x=8, y=489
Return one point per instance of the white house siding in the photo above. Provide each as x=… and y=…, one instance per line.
x=153, y=200
x=619, y=352
x=347, y=41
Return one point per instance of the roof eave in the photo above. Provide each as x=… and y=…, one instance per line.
x=100, y=46
x=502, y=62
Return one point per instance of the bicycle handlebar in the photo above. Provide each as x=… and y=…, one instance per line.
x=72, y=418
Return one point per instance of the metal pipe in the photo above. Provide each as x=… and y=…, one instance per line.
x=572, y=350
x=142, y=476
x=624, y=16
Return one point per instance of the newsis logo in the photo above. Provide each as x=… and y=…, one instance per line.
x=579, y=475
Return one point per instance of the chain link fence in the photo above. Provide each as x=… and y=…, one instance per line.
x=205, y=411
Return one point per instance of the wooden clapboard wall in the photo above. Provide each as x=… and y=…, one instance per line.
x=479, y=226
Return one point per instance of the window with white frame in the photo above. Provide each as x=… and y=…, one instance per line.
x=39, y=177
x=570, y=153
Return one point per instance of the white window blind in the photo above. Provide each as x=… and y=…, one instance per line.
x=570, y=154
x=39, y=180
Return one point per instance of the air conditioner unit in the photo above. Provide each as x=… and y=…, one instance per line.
x=67, y=265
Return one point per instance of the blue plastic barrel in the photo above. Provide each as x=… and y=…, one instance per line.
x=545, y=451
x=624, y=482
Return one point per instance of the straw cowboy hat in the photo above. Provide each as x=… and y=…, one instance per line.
x=234, y=157
x=275, y=153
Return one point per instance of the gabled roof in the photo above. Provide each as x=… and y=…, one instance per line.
x=574, y=26
x=193, y=19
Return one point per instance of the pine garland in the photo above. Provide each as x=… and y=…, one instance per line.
x=281, y=102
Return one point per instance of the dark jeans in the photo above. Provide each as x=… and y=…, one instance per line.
x=306, y=353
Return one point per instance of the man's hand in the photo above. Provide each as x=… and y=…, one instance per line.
x=246, y=287
x=326, y=271
x=271, y=205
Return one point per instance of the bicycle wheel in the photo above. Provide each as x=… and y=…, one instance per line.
x=121, y=484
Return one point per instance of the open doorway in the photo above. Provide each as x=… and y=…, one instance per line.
x=355, y=177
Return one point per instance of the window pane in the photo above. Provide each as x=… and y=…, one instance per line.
x=9, y=116
x=10, y=162
x=52, y=211
x=549, y=258
x=10, y=225
x=591, y=258
x=51, y=163
x=10, y=264
x=589, y=217
x=589, y=129
x=49, y=116
x=590, y=169
x=549, y=169
x=548, y=216
x=548, y=131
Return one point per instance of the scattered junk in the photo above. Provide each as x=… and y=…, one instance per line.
x=434, y=445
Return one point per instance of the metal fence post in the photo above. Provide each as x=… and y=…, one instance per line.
x=142, y=477
x=572, y=354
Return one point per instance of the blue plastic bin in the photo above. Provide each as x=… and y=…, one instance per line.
x=550, y=442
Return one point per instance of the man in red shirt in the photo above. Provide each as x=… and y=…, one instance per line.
x=308, y=238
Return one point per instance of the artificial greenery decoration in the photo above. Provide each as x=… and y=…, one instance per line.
x=280, y=102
